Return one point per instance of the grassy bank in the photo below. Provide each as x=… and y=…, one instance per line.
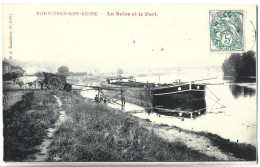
x=239, y=150
x=26, y=123
x=95, y=132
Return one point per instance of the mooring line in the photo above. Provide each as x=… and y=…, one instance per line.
x=212, y=92
x=216, y=101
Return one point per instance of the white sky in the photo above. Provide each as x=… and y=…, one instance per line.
x=109, y=42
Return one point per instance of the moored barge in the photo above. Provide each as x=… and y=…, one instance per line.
x=179, y=95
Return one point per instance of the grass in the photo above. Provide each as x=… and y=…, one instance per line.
x=26, y=124
x=95, y=132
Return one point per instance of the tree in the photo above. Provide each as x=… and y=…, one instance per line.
x=249, y=64
x=5, y=63
x=119, y=71
x=238, y=65
x=63, y=70
x=10, y=76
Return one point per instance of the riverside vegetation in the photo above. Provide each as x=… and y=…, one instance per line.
x=240, y=65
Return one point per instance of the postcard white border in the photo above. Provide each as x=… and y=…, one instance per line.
x=229, y=164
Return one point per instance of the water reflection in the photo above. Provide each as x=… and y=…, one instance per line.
x=243, y=91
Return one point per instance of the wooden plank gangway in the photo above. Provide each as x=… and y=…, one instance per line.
x=100, y=94
x=107, y=88
x=111, y=88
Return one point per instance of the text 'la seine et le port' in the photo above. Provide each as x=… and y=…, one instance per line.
x=132, y=14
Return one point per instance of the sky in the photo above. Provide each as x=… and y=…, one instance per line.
x=177, y=36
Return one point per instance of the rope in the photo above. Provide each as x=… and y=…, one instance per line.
x=216, y=102
x=212, y=92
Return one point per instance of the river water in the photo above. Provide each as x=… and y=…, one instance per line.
x=236, y=121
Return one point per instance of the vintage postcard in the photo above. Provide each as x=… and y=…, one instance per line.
x=129, y=83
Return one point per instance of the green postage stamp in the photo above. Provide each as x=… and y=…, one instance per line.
x=226, y=30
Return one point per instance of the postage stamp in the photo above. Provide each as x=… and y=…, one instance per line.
x=226, y=30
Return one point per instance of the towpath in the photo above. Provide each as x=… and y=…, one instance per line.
x=43, y=154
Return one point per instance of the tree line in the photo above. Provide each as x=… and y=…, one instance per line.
x=240, y=64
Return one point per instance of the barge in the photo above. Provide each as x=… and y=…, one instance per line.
x=188, y=96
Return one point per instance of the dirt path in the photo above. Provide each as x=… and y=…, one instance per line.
x=196, y=142
x=43, y=154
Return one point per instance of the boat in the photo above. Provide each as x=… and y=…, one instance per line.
x=177, y=95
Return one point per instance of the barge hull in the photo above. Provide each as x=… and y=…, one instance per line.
x=185, y=96
x=184, y=100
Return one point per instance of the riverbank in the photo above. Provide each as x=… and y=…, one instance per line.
x=96, y=132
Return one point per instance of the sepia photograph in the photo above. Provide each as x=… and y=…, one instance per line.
x=129, y=83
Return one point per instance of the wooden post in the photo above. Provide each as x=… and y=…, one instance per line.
x=98, y=93
x=122, y=103
x=190, y=114
x=122, y=98
x=36, y=81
